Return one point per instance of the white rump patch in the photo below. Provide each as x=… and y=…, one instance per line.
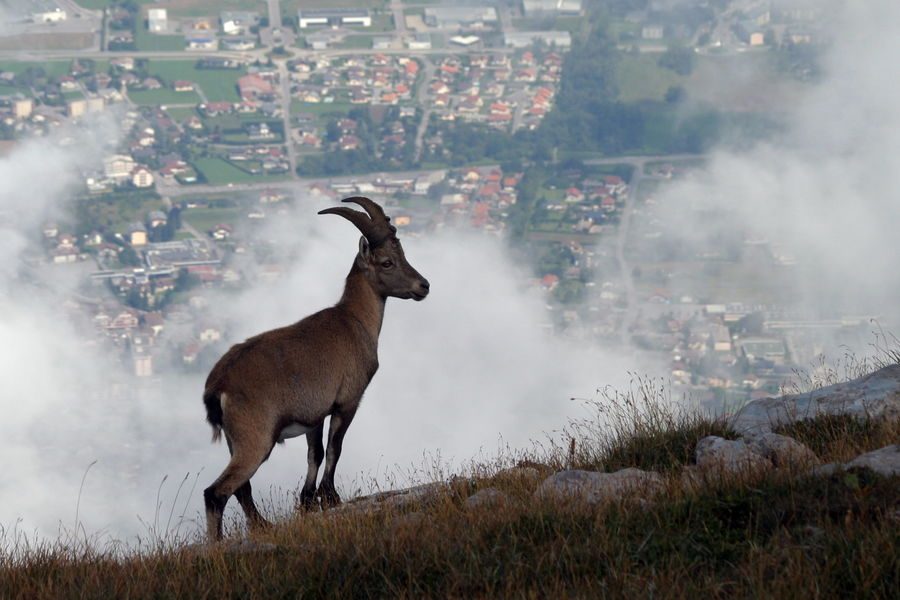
x=293, y=430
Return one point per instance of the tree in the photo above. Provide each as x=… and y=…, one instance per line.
x=678, y=59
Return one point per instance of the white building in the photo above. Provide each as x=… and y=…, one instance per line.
x=157, y=20
x=539, y=8
x=56, y=15
x=523, y=39
x=141, y=177
x=333, y=17
x=118, y=167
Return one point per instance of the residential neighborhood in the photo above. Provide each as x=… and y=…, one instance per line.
x=232, y=117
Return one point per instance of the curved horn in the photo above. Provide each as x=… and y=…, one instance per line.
x=375, y=211
x=362, y=222
x=376, y=227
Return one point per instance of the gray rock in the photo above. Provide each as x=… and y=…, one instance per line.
x=885, y=461
x=783, y=451
x=876, y=395
x=593, y=487
x=827, y=470
x=728, y=456
x=420, y=494
x=488, y=497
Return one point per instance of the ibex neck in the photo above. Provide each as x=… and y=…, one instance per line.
x=362, y=302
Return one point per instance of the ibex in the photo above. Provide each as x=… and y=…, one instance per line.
x=284, y=383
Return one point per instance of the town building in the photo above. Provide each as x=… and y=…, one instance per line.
x=333, y=17
x=523, y=39
x=236, y=22
x=475, y=17
x=542, y=8
x=157, y=20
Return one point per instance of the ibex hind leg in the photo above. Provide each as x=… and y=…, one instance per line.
x=244, y=495
x=244, y=462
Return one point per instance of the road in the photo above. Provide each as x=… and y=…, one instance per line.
x=428, y=107
x=399, y=21
x=639, y=163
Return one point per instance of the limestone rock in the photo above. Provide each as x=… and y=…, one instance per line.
x=593, y=487
x=729, y=456
x=876, y=395
x=415, y=495
x=884, y=461
x=783, y=451
x=488, y=497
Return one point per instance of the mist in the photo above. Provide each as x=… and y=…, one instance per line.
x=464, y=373
x=470, y=371
x=825, y=192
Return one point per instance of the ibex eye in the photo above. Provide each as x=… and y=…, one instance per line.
x=387, y=264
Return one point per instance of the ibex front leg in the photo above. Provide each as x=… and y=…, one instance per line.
x=336, y=429
x=314, y=456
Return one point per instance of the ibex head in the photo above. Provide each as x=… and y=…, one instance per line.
x=381, y=256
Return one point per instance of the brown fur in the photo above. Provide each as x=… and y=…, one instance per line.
x=301, y=374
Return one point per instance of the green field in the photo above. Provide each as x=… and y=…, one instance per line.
x=162, y=97
x=181, y=114
x=640, y=78
x=220, y=172
x=204, y=219
x=151, y=42
x=321, y=108
x=219, y=85
x=53, y=68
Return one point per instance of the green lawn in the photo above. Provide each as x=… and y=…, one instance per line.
x=640, y=78
x=151, y=42
x=205, y=219
x=320, y=108
x=219, y=85
x=53, y=68
x=220, y=172
x=163, y=96
x=362, y=41
x=181, y=114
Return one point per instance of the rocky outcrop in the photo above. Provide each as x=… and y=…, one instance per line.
x=728, y=456
x=486, y=498
x=595, y=488
x=783, y=451
x=876, y=395
x=885, y=461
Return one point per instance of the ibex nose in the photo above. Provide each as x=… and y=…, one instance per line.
x=425, y=285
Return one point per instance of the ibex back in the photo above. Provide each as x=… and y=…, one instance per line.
x=285, y=382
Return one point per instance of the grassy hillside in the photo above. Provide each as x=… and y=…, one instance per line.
x=778, y=533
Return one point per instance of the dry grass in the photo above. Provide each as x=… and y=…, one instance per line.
x=770, y=535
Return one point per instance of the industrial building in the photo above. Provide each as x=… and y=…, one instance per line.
x=523, y=39
x=542, y=8
x=333, y=17
x=474, y=17
x=157, y=20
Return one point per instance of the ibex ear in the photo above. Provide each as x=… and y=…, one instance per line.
x=363, y=250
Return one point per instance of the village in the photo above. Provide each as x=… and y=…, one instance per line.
x=248, y=119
